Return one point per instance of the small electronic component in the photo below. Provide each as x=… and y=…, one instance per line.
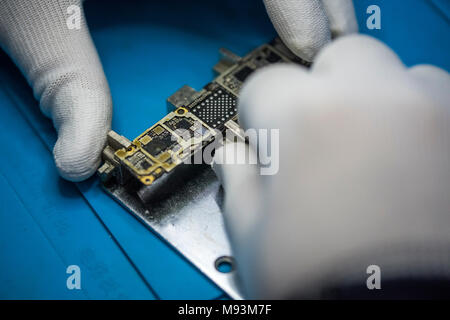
x=143, y=166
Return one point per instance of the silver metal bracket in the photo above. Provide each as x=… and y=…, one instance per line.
x=191, y=222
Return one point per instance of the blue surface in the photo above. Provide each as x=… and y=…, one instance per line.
x=148, y=49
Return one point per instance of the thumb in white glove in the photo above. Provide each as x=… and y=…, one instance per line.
x=307, y=25
x=63, y=67
x=364, y=174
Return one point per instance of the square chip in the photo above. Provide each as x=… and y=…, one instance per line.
x=217, y=108
x=243, y=74
x=159, y=144
x=272, y=57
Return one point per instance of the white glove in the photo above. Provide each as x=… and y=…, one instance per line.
x=364, y=174
x=65, y=72
x=307, y=25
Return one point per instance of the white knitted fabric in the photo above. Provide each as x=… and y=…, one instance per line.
x=64, y=69
x=307, y=25
x=364, y=174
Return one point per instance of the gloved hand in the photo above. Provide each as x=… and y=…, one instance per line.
x=64, y=69
x=305, y=26
x=363, y=180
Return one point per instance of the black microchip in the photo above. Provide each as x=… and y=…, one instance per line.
x=273, y=57
x=145, y=164
x=243, y=74
x=184, y=124
x=179, y=123
x=159, y=144
x=216, y=109
x=139, y=161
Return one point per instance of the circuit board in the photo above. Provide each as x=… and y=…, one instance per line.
x=195, y=120
x=158, y=179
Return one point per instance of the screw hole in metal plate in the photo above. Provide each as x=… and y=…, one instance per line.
x=225, y=264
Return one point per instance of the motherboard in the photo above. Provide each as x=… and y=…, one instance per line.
x=158, y=157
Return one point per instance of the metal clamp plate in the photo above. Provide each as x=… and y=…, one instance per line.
x=191, y=221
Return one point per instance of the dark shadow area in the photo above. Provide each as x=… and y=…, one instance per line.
x=399, y=289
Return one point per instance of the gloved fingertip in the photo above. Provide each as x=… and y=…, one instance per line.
x=341, y=17
x=305, y=48
x=76, y=172
x=430, y=72
x=352, y=52
x=223, y=157
x=77, y=162
x=241, y=181
x=234, y=163
x=216, y=164
x=82, y=131
x=302, y=25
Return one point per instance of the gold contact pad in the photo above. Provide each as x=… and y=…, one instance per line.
x=149, y=179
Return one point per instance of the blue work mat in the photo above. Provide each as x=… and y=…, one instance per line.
x=148, y=49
